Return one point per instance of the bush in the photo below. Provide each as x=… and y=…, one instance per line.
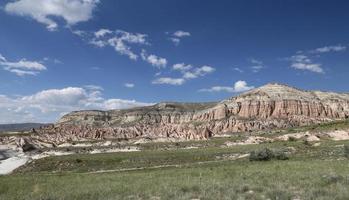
x=281, y=155
x=261, y=155
x=267, y=154
x=346, y=151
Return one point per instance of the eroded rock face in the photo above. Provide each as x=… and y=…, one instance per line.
x=267, y=107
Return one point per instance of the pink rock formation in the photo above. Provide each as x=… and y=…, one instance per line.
x=270, y=106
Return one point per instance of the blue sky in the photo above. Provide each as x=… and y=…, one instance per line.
x=59, y=56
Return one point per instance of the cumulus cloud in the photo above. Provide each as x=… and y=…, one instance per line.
x=178, y=35
x=239, y=86
x=326, y=49
x=154, y=60
x=44, y=11
x=129, y=85
x=169, y=81
x=48, y=105
x=22, y=67
x=303, y=62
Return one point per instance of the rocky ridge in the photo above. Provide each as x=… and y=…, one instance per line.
x=268, y=107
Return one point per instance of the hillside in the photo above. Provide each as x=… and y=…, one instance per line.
x=272, y=106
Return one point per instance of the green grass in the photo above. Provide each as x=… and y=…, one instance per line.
x=314, y=179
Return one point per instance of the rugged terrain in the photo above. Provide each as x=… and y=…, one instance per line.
x=273, y=106
x=273, y=142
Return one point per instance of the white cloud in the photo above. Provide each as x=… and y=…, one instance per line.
x=176, y=36
x=53, y=60
x=102, y=32
x=157, y=74
x=175, y=41
x=72, y=11
x=181, y=67
x=238, y=69
x=48, y=105
x=154, y=60
x=120, y=40
x=303, y=62
x=257, y=65
x=129, y=85
x=120, y=47
x=326, y=49
x=2, y=58
x=93, y=87
x=197, y=72
x=303, y=59
x=311, y=67
x=22, y=67
x=79, y=33
x=188, y=73
x=239, y=86
x=180, y=34
x=122, y=103
x=169, y=81
x=20, y=72
x=57, y=61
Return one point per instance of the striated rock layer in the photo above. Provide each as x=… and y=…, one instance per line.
x=270, y=106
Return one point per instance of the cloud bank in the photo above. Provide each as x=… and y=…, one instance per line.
x=49, y=105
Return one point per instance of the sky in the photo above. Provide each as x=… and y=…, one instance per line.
x=57, y=56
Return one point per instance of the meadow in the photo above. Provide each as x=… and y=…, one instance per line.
x=213, y=172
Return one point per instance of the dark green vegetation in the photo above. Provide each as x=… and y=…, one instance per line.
x=267, y=154
x=311, y=172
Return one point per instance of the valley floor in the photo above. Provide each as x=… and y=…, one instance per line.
x=319, y=172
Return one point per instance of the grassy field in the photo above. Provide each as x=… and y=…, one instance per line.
x=312, y=172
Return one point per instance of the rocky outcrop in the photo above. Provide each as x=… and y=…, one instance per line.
x=270, y=106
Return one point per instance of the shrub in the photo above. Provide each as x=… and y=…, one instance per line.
x=268, y=154
x=281, y=155
x=292, y=139
x=261, y=155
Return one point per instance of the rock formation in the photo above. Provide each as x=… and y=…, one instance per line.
x=270, y=106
